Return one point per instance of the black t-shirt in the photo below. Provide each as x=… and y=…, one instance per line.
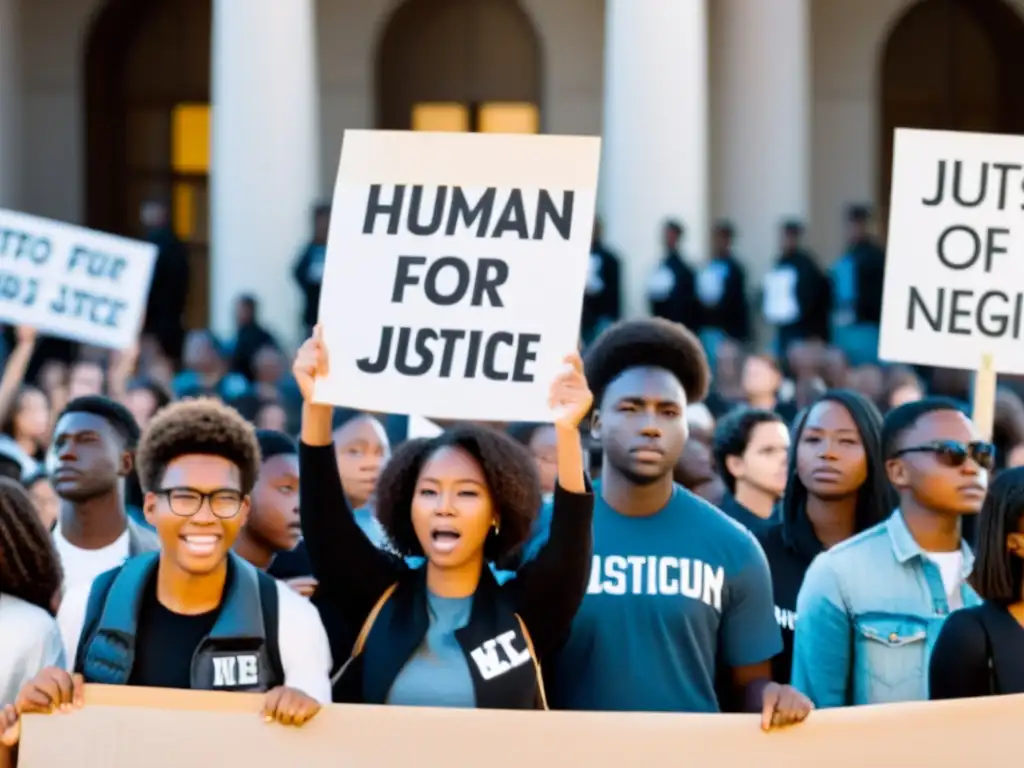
x=788, y=561
x=756, y=525
x=979, y=652
x=166, y=642
x=291, y=564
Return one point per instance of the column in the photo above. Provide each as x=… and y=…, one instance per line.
x=11, y=108
x=654, y=158
x=761, y=97
x=264, y=176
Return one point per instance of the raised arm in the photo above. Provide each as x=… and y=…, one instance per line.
x=15, y=367
x=548, y=590
x=347, y=564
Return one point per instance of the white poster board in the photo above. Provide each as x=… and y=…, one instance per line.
x=954, y=276
x=73, y=282
x=420, y=427
x=456, y=265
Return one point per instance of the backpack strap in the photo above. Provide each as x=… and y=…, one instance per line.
x=364, y=633
x=270, y=605
x=536, y=663
x=93, y=613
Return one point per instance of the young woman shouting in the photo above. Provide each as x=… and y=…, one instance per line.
x=445, y=633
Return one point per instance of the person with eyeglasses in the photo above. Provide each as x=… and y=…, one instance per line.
x=870, y=608
x=193, y=615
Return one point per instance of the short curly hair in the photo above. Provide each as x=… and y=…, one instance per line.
x=111, y=411
x=508, y=469
x=197, y=426
x=648, y=342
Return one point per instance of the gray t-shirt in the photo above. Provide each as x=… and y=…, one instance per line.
x=671, y=598
x=437, y=675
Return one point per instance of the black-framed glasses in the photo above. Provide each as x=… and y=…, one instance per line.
x=225, y=503
x=952, y=453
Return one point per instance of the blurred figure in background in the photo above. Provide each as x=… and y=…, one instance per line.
x=602, y=297
x=722, y=292
x=750, y=449
x=165, y=311
x=539, y=440
x=308, y=271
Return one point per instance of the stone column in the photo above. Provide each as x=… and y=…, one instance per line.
x=264, y=175
x=655, y=152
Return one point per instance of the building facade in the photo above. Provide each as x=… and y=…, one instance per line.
x=234, y=110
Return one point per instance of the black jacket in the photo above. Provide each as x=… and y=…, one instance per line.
x=789, y=553
x=246, y=626
x=680, y=305
x=731, y=314
x=545, y=594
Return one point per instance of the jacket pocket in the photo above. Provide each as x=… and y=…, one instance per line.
x=890, y=651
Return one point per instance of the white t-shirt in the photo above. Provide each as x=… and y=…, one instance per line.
x=951, y=565
x=29, y=641
x=82, y=566
x=301, y=638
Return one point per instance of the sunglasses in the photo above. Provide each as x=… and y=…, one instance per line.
x=951, y=453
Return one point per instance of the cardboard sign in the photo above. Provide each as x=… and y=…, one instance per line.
x=456, y=265
x=73, y=282
x=954, y=278
x=130, y=727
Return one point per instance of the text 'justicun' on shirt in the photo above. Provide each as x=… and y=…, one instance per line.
x=670, y=597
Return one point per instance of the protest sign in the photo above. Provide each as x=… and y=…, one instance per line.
x=420, y=427
x=129, y=727
x=456, y=265
x=954, y=277
x=73, y=282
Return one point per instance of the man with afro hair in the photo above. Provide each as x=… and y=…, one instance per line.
x=678, y=592
x=193, y=615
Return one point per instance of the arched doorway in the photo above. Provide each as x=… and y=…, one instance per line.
x=471, y=65
x=951, y=65
x=147, y=94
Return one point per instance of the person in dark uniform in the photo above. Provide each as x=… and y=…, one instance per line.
x=672, y=288
x=602, y=299
x=722, y=293
x=797, y=294
x=857, y=290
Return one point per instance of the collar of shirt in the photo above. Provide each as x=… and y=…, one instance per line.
x=905, y=548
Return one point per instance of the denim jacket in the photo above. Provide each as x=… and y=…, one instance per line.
x=870, y=611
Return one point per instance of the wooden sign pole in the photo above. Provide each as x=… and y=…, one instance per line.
x=984, y=408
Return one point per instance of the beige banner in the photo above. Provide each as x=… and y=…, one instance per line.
x=133, y=727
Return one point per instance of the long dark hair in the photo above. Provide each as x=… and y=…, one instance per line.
x=876, y=498
x=998, y=573
x=29, y=565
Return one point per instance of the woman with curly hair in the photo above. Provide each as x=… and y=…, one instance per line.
x=193, y=615
x=446, y=633
x=30, y=580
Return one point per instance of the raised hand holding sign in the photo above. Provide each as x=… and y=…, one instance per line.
x=570, y=398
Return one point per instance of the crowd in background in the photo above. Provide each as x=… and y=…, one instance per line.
x=809, y=444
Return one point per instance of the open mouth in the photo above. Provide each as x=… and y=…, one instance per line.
x=201, y=545
x=445, y=539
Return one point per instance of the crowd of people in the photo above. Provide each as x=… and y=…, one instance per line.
x=703, y=527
